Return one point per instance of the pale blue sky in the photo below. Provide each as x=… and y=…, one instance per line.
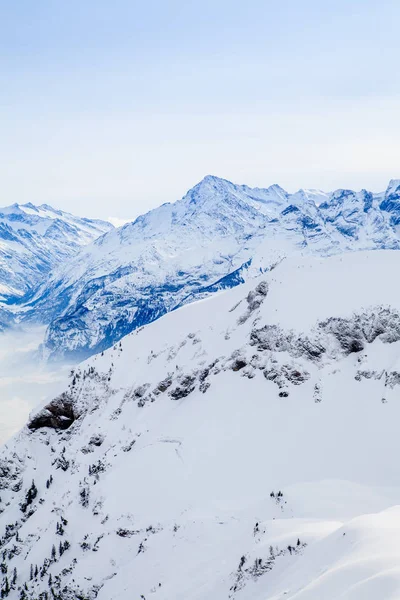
x=111, y=108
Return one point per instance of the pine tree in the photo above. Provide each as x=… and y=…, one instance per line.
x=14, y=577
x=59, y=529
x=30, y=496
x=31, y=574
x=53, y=553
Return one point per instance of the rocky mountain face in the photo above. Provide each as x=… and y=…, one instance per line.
x=33, y=241
x=217, y=236
x=243, y=447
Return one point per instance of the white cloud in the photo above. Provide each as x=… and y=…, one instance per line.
x=25, y=382
x=118, y=222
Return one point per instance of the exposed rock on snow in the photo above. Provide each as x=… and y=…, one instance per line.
x=241, y=466
x=58, y=414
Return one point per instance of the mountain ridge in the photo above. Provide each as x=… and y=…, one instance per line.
x=220, y=451
x=33, y=240
x=138, y=272
x=216, y=236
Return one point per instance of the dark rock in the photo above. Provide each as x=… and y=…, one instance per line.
x=126, y=532
x=254, y=300
x=392, y=379
x=272, y=338
x=238, y=364
x=204, y=374
x=59, y=414
x=163, y=385
x=185, y=388
x=140, y=391
x=310, y=348
x=296, y=377
x=97, y=439
x=203, y=387
x=347, y=332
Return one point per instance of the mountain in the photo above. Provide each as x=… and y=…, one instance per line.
x=33, y=241
x=243, y=447
x=218, y=235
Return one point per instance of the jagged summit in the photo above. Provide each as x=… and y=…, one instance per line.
x=213, y=179
x=393, y=187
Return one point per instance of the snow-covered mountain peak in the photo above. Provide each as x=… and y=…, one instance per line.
x=209, y=183
x=34, y=240
x=393, y=187
x=391, y=202
x=29, y=216
x=212, y=180
x=310, y=195
x=212, y=206
x=214, y=191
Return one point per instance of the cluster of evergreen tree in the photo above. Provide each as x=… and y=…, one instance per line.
x=29, y=497
x=8, y=584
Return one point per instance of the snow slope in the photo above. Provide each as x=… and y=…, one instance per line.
x=217, y=236
x=34, y=240
x=242, y=447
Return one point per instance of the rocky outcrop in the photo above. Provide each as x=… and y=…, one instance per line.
x=254, y=300
x=58, y=414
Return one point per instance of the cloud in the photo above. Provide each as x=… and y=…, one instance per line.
x=25, y=382
x=118, y=222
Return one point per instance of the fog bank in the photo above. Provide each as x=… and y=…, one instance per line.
x=25, y=380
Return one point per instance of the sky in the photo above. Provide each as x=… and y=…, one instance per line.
x=112, y=108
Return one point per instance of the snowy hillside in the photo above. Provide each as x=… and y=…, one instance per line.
x=217, y=236
x=243, y=447
x=34, y=240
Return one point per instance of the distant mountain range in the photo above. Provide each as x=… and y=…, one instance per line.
x=92, y=284
x=217, y=236
x=34, y=240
